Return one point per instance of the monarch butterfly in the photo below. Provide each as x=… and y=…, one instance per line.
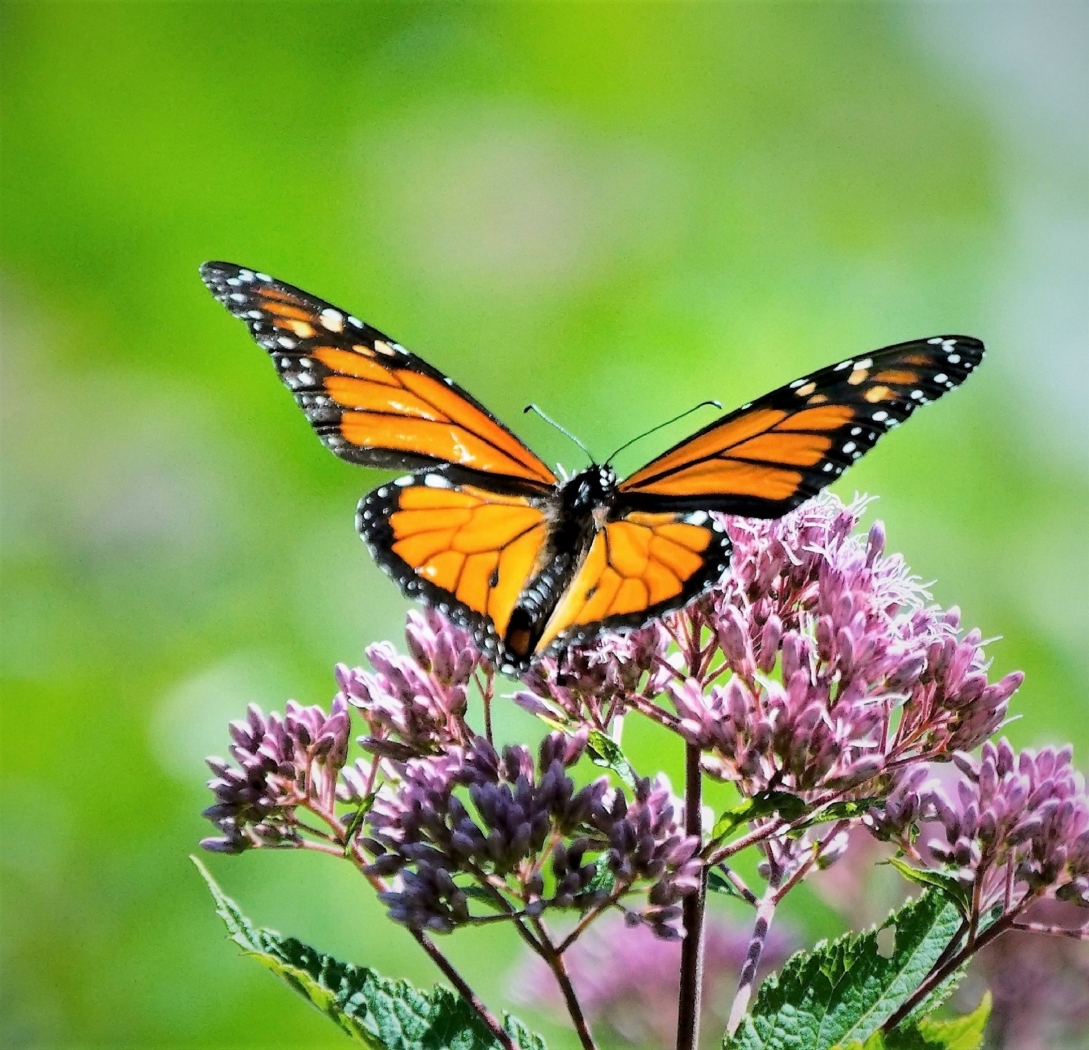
x=483, y=530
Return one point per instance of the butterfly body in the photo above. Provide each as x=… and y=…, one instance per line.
x=484, y=531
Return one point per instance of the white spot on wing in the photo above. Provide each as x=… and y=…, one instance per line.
x=332, y=320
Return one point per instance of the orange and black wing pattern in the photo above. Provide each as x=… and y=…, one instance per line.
x=471, y=553
x=638, y=567
x=369, y=399
x=463, y=549
x=775, y=453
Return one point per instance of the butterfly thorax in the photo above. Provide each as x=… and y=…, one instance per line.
x=576, y=512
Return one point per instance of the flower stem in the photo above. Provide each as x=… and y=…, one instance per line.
x=688, y=1005
x=951, y=965
x=765, y=912
x=559, y=969
x=463, y=988
x=1078, y=933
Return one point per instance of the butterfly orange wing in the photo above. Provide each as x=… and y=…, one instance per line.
x=639, y=566
x=775, y=453
x=370, y=400
x=463, y=549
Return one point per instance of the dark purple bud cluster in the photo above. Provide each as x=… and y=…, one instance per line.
x=647, y=844
x=1028, y=810
x=416, y=704
x=483, y=817
x=521, y=837
x=282, y=763
x=593, y=683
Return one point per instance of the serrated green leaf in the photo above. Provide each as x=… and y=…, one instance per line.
x=842, y=992
x=377, y=1012
x=606, y=752
x=957, y=1033
x=940, y=880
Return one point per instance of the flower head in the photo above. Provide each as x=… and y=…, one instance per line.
x=416, y=704
x=1027, y=812
x=598, y=681
x=281, y=762
x=869, y=675
x=524, y=835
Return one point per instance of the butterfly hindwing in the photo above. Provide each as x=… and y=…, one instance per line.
x=775, y=453
x=370, y=400
x=639, y=566
x=471, y=553
x=463, y=549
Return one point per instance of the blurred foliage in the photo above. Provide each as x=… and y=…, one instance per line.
x=612, y=210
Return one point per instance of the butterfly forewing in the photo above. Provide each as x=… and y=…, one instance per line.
x=370, y=400
x=775, y=453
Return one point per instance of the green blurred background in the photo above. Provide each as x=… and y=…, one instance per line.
x=613, y=210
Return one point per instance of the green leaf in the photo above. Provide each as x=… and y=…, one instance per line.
x=959, y=1033
x=940, y=880
x=603, y=878
x=842, y=992
x=846, y=810
x=355, y=821
x=378, y=1013
x=718, y=883
x=606, y=752
x=788, y=806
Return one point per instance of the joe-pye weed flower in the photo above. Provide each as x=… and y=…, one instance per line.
x=817, y=679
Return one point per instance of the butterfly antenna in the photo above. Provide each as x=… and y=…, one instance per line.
x=668, y=422
x=562, y=430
